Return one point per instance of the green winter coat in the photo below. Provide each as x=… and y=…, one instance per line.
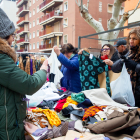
x=14, y=85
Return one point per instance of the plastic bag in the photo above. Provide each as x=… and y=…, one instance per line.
x=122, y=89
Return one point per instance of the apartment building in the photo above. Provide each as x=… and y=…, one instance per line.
x=135, y=18
x=44, y=24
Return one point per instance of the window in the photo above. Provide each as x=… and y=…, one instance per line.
x=33, y=23
x=37, y=32
x=30, y=46
x=34, y=12
x=30, y=25
x=33, y=1
x=38, y=21
x=37, y=45
x=65, y=22
x=65, y=39
x=100, y=6
x=30, y=14
x=65, y=6
x=33, y=34
x=30, y=35
x=100, y=20
x=110, y=8
x=30, y=3
x=34, y=46
x=37, y=9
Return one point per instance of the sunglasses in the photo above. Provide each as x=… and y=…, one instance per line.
x=106, y=49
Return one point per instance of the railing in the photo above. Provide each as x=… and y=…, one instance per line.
x=22, y=8
x=44, y=3
x=22, y=40
x=21, y=19
x=21, y=30
x=49, y=15
x=47, y=46
x=22, y=50
x=18, y=1
x=48, y=30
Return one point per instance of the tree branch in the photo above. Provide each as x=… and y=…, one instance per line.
x=134, y=9
x=76, y=2
x=115, y=14
x=87, y=4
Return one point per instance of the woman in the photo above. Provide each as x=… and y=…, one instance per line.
x=109, y=54
x=132, y=62
x=14, y=85
x=70, y=67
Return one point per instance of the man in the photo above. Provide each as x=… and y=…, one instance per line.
x=123, y=53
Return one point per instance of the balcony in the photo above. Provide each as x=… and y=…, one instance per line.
x=47, y=5
x=47, y=46
x=22, y=11
x=21, y=3
x=23, y=41
x=51, y=17
x=50, y=32
x=22, y=31
x=22, y=21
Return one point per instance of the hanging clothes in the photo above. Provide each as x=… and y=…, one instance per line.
x=89, y=71
x=21, y=63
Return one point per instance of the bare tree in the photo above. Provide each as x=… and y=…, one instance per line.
x=113, y=22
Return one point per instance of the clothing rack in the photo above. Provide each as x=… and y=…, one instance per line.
x=33, y=53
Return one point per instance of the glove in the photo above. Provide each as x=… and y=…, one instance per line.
x=130, y=64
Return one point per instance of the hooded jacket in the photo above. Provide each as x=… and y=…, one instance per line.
x=14, y=85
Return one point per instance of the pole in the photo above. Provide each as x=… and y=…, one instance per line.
x=79, y=42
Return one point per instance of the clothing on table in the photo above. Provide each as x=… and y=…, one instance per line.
x=67, y=111
x=54, y=67
x=89, y=71
x=78, y=97
x=39, y=132
x=91, y=111
x=69, y=101
x=70, y=69
x=60, y=104
x=85, y=104
x=51, y=116
x=45, y=104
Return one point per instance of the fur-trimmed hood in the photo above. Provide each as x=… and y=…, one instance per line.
x=6, y=49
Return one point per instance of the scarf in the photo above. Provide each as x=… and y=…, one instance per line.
x=135, y=56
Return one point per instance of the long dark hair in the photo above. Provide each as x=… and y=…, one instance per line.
x=67, y=48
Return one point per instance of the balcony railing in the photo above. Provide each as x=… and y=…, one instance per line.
x=47, y=46
x=22, y=50
x=21, y=19
x=46, y=31
x=44, y=3
x=22, y=40
x=22, y=8
x=49, y=15
x=21, y=30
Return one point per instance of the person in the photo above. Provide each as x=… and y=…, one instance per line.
x=14, y=85
x=123, y=51
x=121, y=46
x=132, y=63
x=109, y=54
x=70, y=67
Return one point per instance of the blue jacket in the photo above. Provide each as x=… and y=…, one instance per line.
x=70, y=70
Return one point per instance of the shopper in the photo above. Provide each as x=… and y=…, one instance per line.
x=132, y=62
x=70, y=67
x=109, y=54
x=14, y=85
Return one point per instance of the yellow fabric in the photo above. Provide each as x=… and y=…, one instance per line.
x=51, y=116
x=69, y=101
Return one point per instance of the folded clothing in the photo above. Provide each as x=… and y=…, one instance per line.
x=48, y=104
x=91, y=111
x=39, y=132
x=85, y=104
x=78, y=113
x=78, y=97
x=60, y=104
x=66, y=111
x=69, y=101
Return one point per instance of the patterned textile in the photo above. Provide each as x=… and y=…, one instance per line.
x=89, y=71
x=91, y=111
x=51, y=116
x=69, y=101
x=135, y=56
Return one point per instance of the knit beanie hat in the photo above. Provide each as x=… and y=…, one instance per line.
x=6, y=26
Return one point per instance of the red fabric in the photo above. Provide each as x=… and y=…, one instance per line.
x=63, y=88
x=60, y=104
x=104, y=57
